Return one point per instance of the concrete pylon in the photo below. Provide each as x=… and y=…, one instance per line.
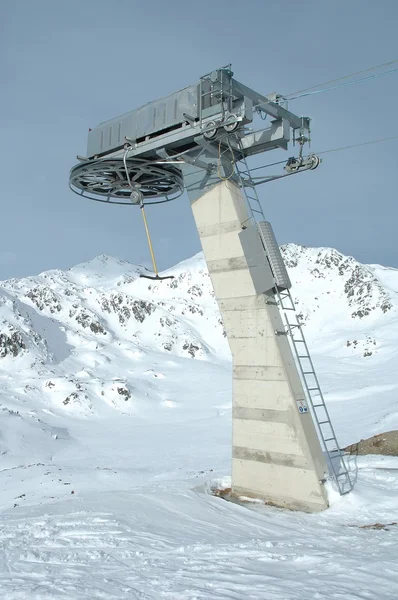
x=276, y=453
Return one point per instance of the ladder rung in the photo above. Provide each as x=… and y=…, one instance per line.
x=344, y=485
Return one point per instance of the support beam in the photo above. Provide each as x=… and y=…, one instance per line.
x=276, y=454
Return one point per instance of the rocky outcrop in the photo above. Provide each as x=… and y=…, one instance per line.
x=11, y=343
x=357, y=283
x=383, y=443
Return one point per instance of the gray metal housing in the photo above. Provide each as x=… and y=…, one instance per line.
x=274, y=255
x=160, y=117
x=256, y=258
x=264, y=258
x=180, y=121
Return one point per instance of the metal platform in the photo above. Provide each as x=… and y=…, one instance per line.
x=157, y=139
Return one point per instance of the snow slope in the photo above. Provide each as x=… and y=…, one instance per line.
x=115, y=397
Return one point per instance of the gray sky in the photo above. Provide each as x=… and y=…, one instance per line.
x=65, y=66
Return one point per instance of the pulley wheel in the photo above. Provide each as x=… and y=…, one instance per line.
x=105, y=180
x=231, y=124
x=210, y=131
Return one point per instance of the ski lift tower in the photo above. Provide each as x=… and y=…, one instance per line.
x=284, y=446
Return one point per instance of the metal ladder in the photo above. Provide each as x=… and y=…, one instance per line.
x=294, y=330
x=313, y=391
x=246, y=183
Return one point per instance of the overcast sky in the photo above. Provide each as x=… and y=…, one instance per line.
x=66, y=65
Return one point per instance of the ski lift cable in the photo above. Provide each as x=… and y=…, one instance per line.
x=319, y=85
x=341, y=85
x=385, y=139
x=309, y=92
x=283, y=162
x=368, y=143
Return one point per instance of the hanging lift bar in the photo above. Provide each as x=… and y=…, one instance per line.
x=134, y=196
x=156, y=277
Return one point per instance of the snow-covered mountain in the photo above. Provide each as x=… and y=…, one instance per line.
x=354, y=303
x=76, y=339
x=115, y=419
x=60, y=328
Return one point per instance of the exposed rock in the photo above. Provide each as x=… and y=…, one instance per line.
x=11, y=343
x=191, y=348
x=382, y=443
x=124, y=392
x=72, y=397
x=86, y=320
x=363, y=291
x=125, y=307
x=43, y=297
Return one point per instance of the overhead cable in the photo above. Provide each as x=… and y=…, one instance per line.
x=319, y=85
x=341, y=85
x=385, y=139
x=394, y=137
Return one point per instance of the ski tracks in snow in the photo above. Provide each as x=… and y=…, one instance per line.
x=190, y=547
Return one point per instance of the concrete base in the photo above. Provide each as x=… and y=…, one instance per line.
x=276, y=454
